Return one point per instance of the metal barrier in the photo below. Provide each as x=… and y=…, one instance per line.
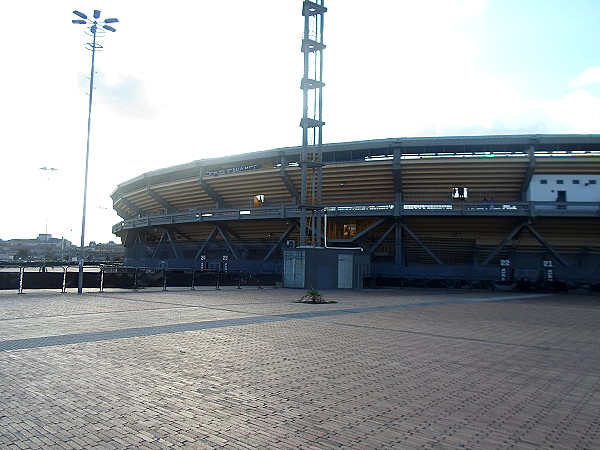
x=389, y=281
x=134, y=279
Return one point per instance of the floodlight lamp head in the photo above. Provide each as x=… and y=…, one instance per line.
x=109, y=28
x=96, y=14
x=80, y=14
x=79, y=21
x=112, y=20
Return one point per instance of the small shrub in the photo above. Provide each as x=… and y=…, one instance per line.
x=312, y=295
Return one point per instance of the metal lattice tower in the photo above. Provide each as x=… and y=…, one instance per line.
x=312, y=123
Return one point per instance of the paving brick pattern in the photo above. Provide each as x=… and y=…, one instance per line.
x=378, y=369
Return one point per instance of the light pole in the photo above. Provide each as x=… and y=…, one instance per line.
x=94, y=31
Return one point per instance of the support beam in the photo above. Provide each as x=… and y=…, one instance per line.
x=220, y=203
x=209, y=239
x=358, y=236
x=131, y=237
x=162, y=236
x=282, y=238
x=228, y=242
x=288, y=182
x=132, y=242
x=182, y=234
x=376, y=245
x=130, y=206
x=303, y=225
x=546, y=244
x=161, y=201
x=398, y=244
x=120, y=212
x=397, y=173
x=502, y=244
x=367, y=229
x=422, y=244
x=528, y=173
x=174, y=244
x=168, y=235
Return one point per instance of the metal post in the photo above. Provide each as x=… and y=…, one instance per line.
x=64, y=284
x=21, y=273
x=102, y=279
x=87, y=164
x=94, y=30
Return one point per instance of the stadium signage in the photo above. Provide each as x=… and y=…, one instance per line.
x=215, y=173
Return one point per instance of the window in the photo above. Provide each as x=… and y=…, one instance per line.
x=592, y=182
x=259, y=200
x=575, y=181
x=543, y=181
x=559, y=182
x=349, y=229
x=459, y=192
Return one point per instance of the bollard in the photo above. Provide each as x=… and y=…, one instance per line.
x=64, y=284
x=193, y=279
x=218, y=288
x=259, y=283
x=101, y=279
x=135, y=286
x=239, y=280
x=21, y=272
x=164, y=280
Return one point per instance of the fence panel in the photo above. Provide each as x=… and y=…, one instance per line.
x=9, y=280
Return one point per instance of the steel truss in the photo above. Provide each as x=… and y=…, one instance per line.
x=311, y=161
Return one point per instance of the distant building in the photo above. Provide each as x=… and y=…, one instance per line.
x=109, y=252
x=47, y=248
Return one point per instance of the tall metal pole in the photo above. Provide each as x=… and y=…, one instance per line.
x=84, y=20
x=87, y=165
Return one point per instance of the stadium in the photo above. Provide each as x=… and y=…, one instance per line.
x=508, y=209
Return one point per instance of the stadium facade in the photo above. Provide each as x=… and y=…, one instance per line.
x=484, y=207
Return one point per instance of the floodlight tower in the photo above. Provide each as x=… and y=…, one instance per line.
x=95, y=29
x=311, y=162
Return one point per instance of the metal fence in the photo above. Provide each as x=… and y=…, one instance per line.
x=134, y=278
x=521, y=285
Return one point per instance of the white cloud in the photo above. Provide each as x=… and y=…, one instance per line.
x=579, y=110
x=587, y=77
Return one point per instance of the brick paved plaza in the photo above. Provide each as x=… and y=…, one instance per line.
x=252, y=369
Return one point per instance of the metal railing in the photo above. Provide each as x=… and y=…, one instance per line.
x=102, y=278
x=531, y=209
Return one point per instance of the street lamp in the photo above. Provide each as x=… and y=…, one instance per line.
x=95, y=28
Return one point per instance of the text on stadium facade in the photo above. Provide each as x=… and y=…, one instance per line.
x=214, y=173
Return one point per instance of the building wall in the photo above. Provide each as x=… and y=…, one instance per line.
x=578, y=188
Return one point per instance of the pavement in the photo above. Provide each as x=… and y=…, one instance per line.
x=251, y=368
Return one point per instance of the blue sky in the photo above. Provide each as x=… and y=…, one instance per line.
x=539, y=45
x=188, y=80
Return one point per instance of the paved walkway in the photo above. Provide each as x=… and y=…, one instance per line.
x=252, y=369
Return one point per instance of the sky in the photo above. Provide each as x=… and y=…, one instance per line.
x=186, y=80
